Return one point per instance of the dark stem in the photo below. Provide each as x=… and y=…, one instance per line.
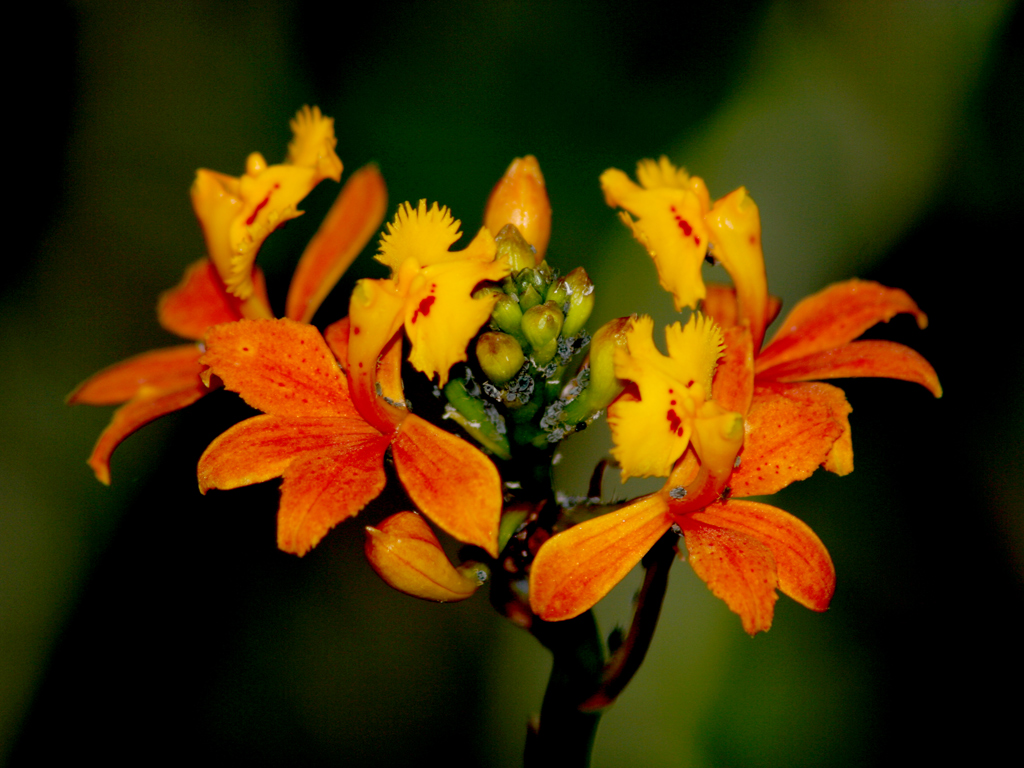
x=627, y=659
x=565, y=734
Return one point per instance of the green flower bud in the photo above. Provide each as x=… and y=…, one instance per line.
x=481, y=421
x=580, y=289
x=529, y=297
x=598, y=380
x=513, y=245
x=542, y=324
x=500, y=356
x=507, y=314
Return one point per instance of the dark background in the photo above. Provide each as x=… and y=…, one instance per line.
x=144, y=622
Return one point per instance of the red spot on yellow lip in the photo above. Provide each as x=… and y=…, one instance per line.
x=674, y=422
x=255, y=213
x=424, y=307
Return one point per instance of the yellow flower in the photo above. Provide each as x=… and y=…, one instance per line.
x=429, y=292
x=670, y=405
x=677, y=223
x=237, y=214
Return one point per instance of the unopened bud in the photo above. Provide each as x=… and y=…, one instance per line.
x=507, y=314
x=580, y=290
x=512, y=247
x=604, y=385
x=529, y=297
x=404, y=552
x=542, y=324
x=500, y=356
x=520, y=198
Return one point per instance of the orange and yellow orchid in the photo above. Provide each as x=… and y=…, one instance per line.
x=793, y=423
x=162, y=381
x=330, y=454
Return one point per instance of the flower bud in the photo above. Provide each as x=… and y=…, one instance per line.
x=507, y=314
x=520, y=198
x=604, y=385
x=513, y=247
x=542, y=324
x=529, y=297
x=580, y=290
x=405, y=553
x=500, y=356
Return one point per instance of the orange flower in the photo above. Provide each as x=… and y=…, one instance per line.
x=330, y=455
x=793, y=423
x=156, y=383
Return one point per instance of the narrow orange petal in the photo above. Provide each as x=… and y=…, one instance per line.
x=452, y=482
x=320, y=491
x=278, y=366
x=200, y=301
x=150, y=405
x=733, y=385
x=803, y=565
x=885, y=359
x=576, y=568
x=353, y=219
x=737, y=568
x=261, y=448
x=833, y=317
x=790, y=430
x=161, y=370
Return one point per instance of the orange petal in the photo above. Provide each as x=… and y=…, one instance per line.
x=262, y=447
x=278, y=366
x=738, y=568
x=833, y=317
x=734, y=226
x=452, y=482
x=884, y=359
x=790, y=430
x=720, y=303
x=353, y=219
x=576, y=568
x=407, y=555
x=150, y=405
x=320, y=491
x=733, y=385
x=200, y=301
x=520, y=198
x=161, y=370
x=804, y=568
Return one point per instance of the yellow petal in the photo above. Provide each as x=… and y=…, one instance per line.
x=652, y=431
x=237, y=215
x=669, y=223
x=420, y=233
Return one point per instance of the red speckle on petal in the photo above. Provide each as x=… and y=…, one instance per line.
x=424, y=307
x=255, y=213
x=753, y=239
x=685, y=226
x=674, y=422
x=696, y=240
x=355, y=329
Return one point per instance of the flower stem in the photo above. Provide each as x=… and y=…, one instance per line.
x=565, y=734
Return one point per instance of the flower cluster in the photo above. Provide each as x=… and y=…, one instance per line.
x=490, y=343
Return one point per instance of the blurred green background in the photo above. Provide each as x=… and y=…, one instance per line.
x=144, y=622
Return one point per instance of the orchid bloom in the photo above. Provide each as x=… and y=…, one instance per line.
x=329, y=453
x=162, y=381
x=793, y=423
x=237, y=214
x=430, y=293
